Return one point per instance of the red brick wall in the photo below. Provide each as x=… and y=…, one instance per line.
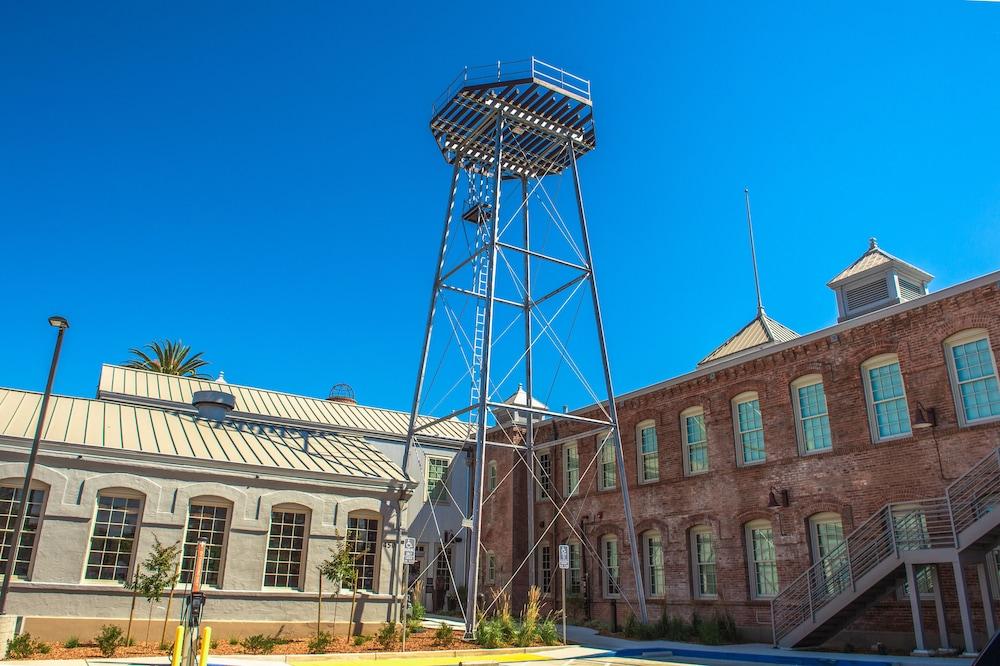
x=854, y=478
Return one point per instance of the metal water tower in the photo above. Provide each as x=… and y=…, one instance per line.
x=511, y=260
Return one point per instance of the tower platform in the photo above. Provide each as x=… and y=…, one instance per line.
x=544, y=108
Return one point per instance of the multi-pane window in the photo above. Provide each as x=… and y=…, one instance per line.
x=545, y=569
x=703, y=561
x=362, y=543
x=206, y=521
x=491, y=568
x=827, y=532
x=652, y=548
x=649, y=463
x=695, y=439
x=571, y=469
x=608, y=470
x=888, y=412
x=285, y=547
x=749, y=428
x=612, y=569
x=812, y=419
x=491, y=476
x=973, y=376
x=543, y=472
x=575, y=582
x=437, y=479
x=763, y=560
x=442, y=566
x=9, y=500
x=112, y=545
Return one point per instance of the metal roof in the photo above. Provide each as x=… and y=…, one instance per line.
x=762, y=330
x=165, y=432
x=121, y=383
x=874, y=257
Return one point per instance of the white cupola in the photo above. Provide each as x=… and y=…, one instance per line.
x=877, y=280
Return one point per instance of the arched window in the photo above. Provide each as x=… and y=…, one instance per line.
x=116, y=528
x=888, y=413
x=749, y=427
x=652, y=550
x=812, y=422
x=363, y=543
x=611, y=564
x=208, y=518
x=973, y=371
x=10, y=496
x=695, y=440
x=286, y=543
x=647, y=450
x=762, y=559
x=703, y=562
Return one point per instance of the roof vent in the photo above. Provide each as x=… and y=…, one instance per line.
x=214, y=405
x=342, y=393
x=877, y=280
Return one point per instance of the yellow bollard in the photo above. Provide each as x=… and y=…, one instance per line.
x=175, y=659
x=206, y=642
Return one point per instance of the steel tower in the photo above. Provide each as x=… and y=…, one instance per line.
x=511, y=260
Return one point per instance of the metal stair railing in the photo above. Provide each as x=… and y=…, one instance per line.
x=976, y=492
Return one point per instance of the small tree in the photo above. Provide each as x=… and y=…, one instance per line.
x=152, y=578
x=339, y=569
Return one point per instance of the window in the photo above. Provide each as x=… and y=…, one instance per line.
x=703, y=561
x=749, y=428
x=925, y=583
x=695, y=439
x=575, y=573
x=545, y=569
x=888, y=414
x=762, y=559
x=442, y=566
x=612, y=570
x=543, y=471
x=649, y=461
x=116, y=526
x=206, y=521
x=491, y=568
x=973, y=376
x=571, y=469
x=607, y=465
x=285, y=546
x=812, y=422
x=437, y=479
x=826, y=531
x=9, y=500
x=491, y=476
x=652, y=548
x=362, y=543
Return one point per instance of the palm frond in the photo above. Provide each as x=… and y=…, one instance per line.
x=168, y=357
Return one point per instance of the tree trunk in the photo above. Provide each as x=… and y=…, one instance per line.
x=350, y=621
x=170, y=600
x=149, y=620
x=319, y=606
x=131, y=614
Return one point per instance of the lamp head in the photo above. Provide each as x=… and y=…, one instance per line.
x=58, y=322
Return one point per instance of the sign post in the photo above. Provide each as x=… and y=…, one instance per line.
x=563, y=566
x=409, y=557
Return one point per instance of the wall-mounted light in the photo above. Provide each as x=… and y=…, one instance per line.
x=926, y=417
x=777, y=498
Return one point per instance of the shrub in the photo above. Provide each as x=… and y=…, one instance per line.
x=675, y=629
x=417, y=611
x=444, y=635
x=631, y=628
x=234, y=640
x=320, y=643
x=490, y=633
x=709, y=633
x=24, y=646
x=71, y=642
x=525, y=635
x=387, y=636
x=43, y=648
x=262, y=643
x=728, y=631
x=548, y=633
x=109, y=640
x=414, y=627
x=360, y=640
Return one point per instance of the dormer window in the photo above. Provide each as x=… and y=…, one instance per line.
x=875, y=281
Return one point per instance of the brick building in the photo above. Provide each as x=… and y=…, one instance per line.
x=756, y=465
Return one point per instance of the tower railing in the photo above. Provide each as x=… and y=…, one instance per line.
x=890, y=531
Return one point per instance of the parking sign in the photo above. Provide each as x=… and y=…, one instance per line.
x=564, y=556
x=409, y=550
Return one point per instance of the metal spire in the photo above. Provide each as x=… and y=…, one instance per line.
x=753, y=252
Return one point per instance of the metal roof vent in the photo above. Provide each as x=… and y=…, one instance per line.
x=213, y=405
x=342, y=393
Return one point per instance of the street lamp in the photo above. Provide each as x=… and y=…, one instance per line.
x=22, y=501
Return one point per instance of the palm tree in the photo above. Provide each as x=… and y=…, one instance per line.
x=168, y=358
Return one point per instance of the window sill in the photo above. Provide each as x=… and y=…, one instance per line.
x=815, y=452
x=706, y=597
x=962, y=423
x=688, y=475
x=754, y=463
x=894, y=438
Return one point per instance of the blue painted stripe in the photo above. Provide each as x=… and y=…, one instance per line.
x=791, y=660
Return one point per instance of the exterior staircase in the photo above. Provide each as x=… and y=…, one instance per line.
x=872, y=559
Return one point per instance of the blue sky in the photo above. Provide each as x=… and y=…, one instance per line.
x=258, y=179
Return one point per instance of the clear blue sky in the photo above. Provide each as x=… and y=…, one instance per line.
x=258, y=179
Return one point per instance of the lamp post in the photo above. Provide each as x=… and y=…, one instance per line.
x=22, y=502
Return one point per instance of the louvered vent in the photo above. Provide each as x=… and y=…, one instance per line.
x=909, y=290
x=866, y=294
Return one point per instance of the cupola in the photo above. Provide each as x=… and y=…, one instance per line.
x=877, y=280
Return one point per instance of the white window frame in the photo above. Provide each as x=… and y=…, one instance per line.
x=649, y=574
x=817, y=519
x=492, y=477
x=689, y=413
x=574, y=576
x=543, y=483
x=376, y=546
x=873, y=363
x=607, y=584
x=545, y=569
x=444, y=498
x=641, y=456
x=833, y=584
x=742, y=399
x=800, y=431
x=752, y=563
x=570, y=489
x=697, y=564
x=957, y=340
x=607, y=451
